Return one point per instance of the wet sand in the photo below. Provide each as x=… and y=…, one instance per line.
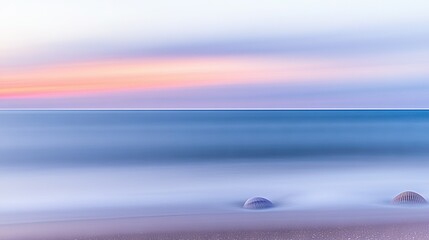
x=389, y=223
x=376, y=232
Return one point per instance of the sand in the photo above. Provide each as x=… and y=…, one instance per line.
x=376, y=223
x=376, y=232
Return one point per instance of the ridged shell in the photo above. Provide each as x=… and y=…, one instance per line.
x=257, y=203
x=409, y=197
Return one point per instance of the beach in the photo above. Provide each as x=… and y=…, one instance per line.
x=387, y=223
x=187, y=174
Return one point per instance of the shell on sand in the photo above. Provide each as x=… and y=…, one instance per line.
x=257, y=203
x=409, y=197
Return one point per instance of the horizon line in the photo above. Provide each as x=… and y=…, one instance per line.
x=203, y=109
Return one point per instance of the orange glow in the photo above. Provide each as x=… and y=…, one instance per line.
x=91, y=77
x=122, y=75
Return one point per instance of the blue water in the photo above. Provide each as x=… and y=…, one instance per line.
x=105, y=163
x=47, y=139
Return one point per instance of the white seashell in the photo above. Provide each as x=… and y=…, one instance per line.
x=257, y=203
x=409, y=197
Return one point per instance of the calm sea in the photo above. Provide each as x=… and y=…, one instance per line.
x=74, y=164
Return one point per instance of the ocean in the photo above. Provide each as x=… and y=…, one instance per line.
x=64, y=165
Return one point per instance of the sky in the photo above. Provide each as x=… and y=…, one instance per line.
x=218, y=54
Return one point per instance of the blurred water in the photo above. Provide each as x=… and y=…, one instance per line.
x=78, y=164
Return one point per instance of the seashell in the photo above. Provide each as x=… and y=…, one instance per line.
x=257, y=203
x=409, y=197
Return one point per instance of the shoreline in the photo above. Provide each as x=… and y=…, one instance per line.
x=327, y=224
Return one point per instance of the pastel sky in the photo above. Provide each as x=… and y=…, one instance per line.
x=214, y=54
